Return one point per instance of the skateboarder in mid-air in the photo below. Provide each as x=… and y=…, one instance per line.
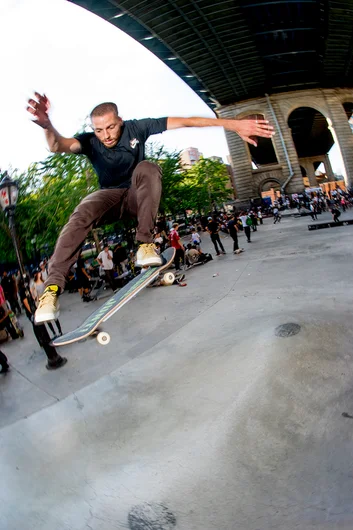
x=130, y=186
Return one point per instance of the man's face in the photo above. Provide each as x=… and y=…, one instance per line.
x=107, y=128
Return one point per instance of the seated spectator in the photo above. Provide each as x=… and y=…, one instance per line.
x=191, y=255
x=157, y=247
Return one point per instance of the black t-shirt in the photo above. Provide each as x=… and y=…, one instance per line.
x=80, y=266
x=119, y=255
x=23, y=296
x=213, y=227
x=231, y=227
x=114, y=166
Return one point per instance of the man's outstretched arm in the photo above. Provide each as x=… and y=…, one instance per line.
x=246, y=129
x=39, y=109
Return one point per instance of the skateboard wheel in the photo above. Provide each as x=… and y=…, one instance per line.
x=103, y=338
x=168, y=278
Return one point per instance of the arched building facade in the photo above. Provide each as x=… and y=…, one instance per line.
x=250, y=181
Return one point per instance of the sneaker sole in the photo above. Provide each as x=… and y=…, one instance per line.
x=151, y=262
x=41, y=319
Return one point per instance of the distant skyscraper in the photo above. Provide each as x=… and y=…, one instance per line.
x=190, y=156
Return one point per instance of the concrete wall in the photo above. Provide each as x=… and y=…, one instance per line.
x=327, y=101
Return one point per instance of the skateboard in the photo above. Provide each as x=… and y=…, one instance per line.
x=14, y=321
x=113, y=304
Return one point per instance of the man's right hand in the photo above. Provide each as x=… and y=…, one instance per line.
x=39, y=109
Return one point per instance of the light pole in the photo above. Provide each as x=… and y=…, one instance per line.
x=8, y=200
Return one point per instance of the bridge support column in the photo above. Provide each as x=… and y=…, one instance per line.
x=342, y=133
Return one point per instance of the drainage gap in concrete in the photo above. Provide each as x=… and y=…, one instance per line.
x=151, y=516
x=287, y=330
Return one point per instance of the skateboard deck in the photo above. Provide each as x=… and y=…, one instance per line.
x=113, y=304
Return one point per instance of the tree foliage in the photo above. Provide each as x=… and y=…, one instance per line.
x=206, y=183
x=50, y=190
x=48, y=193
x=201, y=188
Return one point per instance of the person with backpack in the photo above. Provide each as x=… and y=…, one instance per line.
x=246, y=222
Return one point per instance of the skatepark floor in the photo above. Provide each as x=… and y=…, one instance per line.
x=226, y=404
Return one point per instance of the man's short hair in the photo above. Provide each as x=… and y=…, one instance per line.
x=104, y=108
x=175, y=225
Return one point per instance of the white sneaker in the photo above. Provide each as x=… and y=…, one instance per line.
x=147, y=256
x=48, y=308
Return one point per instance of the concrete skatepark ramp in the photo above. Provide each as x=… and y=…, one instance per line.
x=224, y=405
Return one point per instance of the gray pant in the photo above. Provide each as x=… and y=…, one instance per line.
x=141, y=200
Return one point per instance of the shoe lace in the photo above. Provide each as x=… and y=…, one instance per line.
x=48, y=298
x=148, y=247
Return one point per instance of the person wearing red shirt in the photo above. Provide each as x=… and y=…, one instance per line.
x=177, y=244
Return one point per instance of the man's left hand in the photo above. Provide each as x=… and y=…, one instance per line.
x=249, y=129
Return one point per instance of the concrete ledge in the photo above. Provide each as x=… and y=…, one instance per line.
x=332, y=224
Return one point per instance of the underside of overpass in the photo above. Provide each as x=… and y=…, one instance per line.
x=236, y=50
x=231, y=52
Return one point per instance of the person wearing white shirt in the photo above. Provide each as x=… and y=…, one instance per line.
x=244, y=217
x=105, y=259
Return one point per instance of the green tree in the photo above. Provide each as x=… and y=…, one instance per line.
x=206, y=185
x=173, y=177
x=49, y=192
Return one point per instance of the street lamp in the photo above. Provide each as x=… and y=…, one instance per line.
x=8, y=200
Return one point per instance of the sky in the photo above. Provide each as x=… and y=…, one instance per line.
x=80, y=60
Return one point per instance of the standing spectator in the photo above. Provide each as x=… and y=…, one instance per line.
x=276, y=215
x=233, y=232
x=213, y=228
x=37, y=290
x=120, y=258
x=313, y=212
x=177, y=244
x=105, y=259
x=336, y=214
x=54, y=360
x=195, y=239
x=9, y=286
x=169, y=224
x=246, y=225
x=83, y=279
x=43, y=270
x=253, y=218
x=259, y=215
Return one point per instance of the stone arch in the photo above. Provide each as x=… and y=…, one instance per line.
x=313, y=137
x=308, y=103
x=266, y=180
x=250, y=112
x=345, y=98
x=348, y=108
